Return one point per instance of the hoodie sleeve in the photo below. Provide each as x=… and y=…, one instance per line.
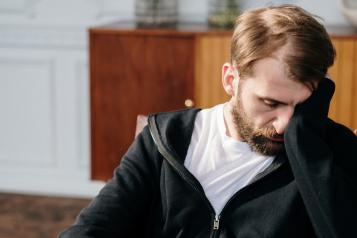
x=122, y=207
x=322, y=165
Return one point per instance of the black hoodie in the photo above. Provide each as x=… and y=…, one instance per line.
x=310, y=190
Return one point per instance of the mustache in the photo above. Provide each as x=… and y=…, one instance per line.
x=269, y=132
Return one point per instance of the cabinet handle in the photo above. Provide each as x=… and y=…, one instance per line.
x=189, y=103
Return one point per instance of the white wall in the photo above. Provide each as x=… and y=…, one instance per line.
x=44, y=94
x=44, y=88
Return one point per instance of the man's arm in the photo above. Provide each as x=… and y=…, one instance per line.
x=328, y=188
x=122, y=207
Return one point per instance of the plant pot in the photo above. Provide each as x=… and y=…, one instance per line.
x=156, y=13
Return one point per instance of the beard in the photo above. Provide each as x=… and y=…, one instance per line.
x=258, y=139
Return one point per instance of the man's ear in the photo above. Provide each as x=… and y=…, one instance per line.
x=230, y=78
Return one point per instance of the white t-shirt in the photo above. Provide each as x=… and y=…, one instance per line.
x=221, y=164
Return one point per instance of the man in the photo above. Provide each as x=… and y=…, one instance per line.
x=268, y=163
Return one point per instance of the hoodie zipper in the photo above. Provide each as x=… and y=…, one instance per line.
x=170, y=158
x=216, y=221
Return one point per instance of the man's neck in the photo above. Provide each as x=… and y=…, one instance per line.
x=231, y=130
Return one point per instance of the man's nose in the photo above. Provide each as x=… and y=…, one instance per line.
x=282, y=119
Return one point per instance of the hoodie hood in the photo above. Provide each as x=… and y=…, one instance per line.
x=164, y=130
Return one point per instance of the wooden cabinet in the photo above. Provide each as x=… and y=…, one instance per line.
x=139, y=71
x=343, y=107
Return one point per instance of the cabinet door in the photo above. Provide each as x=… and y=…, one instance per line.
x=212, y=52
x=343, y=107
x=133, y=74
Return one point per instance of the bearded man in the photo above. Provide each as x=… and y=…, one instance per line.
x=267, y=163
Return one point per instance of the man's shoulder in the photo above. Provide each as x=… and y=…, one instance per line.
x=182, y=116
x=181, y=119
x=173, y=129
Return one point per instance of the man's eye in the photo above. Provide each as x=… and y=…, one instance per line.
x=271, y=104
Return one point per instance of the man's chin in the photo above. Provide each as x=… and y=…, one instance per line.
x=270, y=148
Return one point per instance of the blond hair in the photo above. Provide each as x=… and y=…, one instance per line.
x=260, y=32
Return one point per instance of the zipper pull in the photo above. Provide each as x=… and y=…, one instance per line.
x=216, y=222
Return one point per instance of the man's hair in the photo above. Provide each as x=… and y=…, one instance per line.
x=260, y=32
